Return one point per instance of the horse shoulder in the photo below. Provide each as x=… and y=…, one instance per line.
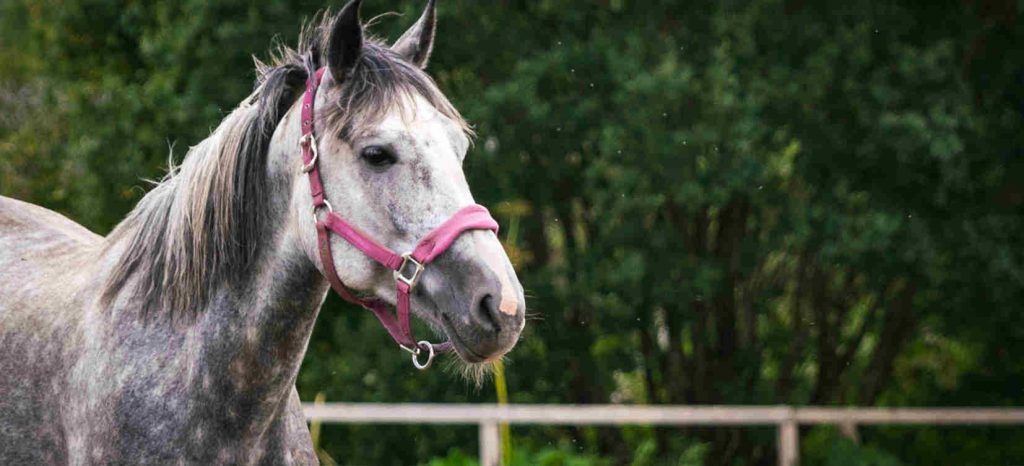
x=44, y=260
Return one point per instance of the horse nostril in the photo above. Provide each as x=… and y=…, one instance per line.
x=486, y=314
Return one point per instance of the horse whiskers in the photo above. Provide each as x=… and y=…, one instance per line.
x=474, y=373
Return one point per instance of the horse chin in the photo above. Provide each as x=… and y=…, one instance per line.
x=471, y=366
x=475, y=373
x=467, y=353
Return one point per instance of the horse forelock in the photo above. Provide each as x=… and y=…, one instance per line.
x=198, y=228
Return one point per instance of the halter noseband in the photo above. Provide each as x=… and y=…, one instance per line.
x=407, y=267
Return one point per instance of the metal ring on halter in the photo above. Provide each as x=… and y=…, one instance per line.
x=415, y=355
x=306, y=168
x=317, y=207
x=416, y=272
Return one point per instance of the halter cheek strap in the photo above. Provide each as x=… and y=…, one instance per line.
x=407, y=267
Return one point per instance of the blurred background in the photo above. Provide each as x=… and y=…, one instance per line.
x=738, y=202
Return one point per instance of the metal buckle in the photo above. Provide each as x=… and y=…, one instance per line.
x=309, y=140
x=317, y=207
x=417, y=351
x=411, y=281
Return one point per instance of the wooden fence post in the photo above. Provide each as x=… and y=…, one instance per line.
x=490, y=444
x=789, y=441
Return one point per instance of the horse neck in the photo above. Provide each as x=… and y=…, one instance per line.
x=256, y=334
x=242, y=350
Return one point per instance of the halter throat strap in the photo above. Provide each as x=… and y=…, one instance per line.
x=407, y=268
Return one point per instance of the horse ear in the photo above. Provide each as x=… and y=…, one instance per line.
x=415, y=45
x=345, y=43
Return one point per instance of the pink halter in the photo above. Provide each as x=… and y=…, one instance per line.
x=407, y=267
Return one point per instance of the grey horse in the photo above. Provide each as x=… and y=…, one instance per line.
x=177, y=338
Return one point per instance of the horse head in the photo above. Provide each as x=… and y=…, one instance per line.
x=386, y=148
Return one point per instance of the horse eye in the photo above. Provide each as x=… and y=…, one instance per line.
x=378, y=156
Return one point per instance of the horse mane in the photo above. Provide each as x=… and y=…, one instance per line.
x=199, y=227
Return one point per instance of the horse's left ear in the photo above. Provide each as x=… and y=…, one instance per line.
x=416, y=43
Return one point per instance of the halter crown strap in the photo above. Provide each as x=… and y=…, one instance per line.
x=407, y=267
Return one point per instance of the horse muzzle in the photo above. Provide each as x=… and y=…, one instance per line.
x=478, y=298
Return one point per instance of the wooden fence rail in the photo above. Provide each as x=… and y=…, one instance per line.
x=786, y=418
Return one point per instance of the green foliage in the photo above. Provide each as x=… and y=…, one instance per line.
x=714, y=202
x=549, y=456
x=454, y=458
x=827, y=448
